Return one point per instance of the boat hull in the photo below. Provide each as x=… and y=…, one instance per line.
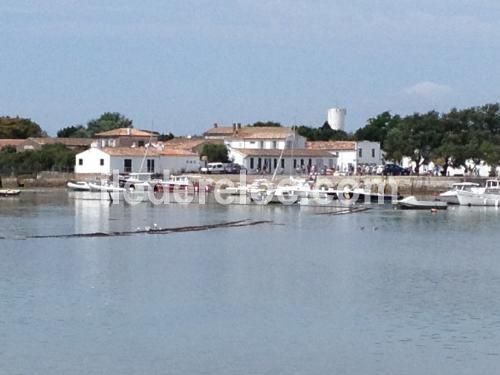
x=475, y=199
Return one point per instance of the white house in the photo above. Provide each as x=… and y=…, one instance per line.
x=349, y=154
x=287, y=161
x=133, y=160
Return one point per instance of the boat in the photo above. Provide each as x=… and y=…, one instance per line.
x=78, y=185
x=9, y=192
x=105, y=186
x=451, y=197
x=489, y=195
x=414, y=204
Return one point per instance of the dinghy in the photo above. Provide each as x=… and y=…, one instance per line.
x=412, y=203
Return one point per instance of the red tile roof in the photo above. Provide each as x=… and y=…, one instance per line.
x=126, y=132
x=10, y=142
x=301, y=152
x=332, y=145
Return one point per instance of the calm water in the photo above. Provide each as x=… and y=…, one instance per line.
x=379, y=292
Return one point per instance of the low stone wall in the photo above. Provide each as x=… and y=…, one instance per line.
x=405, y=185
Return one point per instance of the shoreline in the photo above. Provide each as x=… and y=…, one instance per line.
x=406, y=185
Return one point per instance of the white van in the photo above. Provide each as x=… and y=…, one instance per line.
x=213, y=168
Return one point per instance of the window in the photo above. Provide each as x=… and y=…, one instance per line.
x=288, y=144
x=141, y=143
x=101, y=162
x=310, y=162
x=275, y=144
x=151, y=165
x=251, y=163
x=283, y=163
x=295, y=163
x=275, y=163
x=360, y=152
x=301, y=162
x=127, y=165
x=80, y=161
x=259, y=163
x=373, y=152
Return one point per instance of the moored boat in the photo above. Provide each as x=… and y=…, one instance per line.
x=9, y=192
x=78, y=185
x=414, y=204
x=487, y=196
x=451, y=196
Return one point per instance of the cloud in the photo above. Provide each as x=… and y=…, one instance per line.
x=428, y=89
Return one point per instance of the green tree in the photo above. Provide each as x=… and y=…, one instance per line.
x=19, y=128
x=108, y=121
x=266, y=124
x=415, y=136
x=323, y=133
x=377, y=128
x=215, y=153
x=76, y=131
x=163, y=137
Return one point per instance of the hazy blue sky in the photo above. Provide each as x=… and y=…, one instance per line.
x=187, y=64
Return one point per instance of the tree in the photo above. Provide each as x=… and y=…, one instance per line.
x=108, y=121
x=415, y=136
x=215, y=153
x=50, y=157
x=77, y=131
x=323, y=133
x=19, y=128
x=266, y=124
x=377, y=128
x=165, y=137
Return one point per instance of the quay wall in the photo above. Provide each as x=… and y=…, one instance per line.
x=406, y=185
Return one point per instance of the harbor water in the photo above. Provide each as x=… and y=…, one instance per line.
x=376, y=292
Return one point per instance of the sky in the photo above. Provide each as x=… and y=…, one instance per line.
x=181, y=65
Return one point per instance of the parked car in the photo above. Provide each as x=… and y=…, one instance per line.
x=395, y=170
x=213, y=168
x=233, y=168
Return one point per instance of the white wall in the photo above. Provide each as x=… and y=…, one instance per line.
x=289, y=164
x=346, y=159
x=92, y=163
x=370, y=153
x=280, y=144
x=91, y=160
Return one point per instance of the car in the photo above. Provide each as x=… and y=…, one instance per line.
x=395, y=170
x=233, y=168
x=213, y=168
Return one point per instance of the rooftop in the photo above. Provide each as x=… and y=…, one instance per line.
x=10, y=142
x=126, y=132
x=251, y=132
x=147, y=152
x=64, y=141
x=331, y=145
x=300, y=152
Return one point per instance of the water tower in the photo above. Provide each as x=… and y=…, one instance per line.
x=336, y=118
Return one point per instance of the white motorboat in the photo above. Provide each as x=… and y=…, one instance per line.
x=9, y=192
x=413, y=203
x=105, y=186
x=451, y=197
x=487, y=196
x=78, y=185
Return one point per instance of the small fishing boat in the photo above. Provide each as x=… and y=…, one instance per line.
x=9, y=192
x=78, y=185
x=412, y=203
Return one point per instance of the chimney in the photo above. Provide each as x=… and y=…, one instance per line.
x=216, y=125
x=234, y=127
